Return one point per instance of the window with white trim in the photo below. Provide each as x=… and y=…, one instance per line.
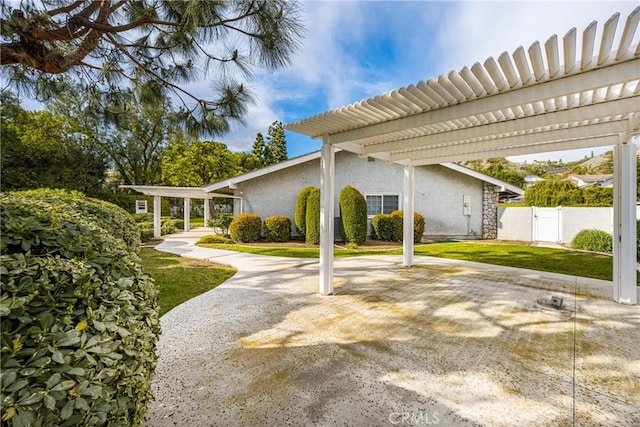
x=382, y=203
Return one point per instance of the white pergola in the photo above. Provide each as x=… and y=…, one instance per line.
x=186, y=193
x=560, y=96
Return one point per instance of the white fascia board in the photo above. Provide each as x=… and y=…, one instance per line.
x=231, y=182
x=486, y=178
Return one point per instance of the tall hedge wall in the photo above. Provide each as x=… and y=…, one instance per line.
x=79, y=316
x=353, y=210
x=312, y=217
x=300, y=213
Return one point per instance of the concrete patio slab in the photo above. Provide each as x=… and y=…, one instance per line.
x=442, y=343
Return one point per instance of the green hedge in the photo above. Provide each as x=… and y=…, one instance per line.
x=383, y=227
x=222, y=221
x=79, y=316
x=353, y=212
x=312, y=217
x=593, y=240
x=277, y=228
x=216, y=239
x=389, y=227
x=638, y=240
x=245, y=228
x=300, y=213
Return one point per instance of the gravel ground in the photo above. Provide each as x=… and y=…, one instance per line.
x=443, y=343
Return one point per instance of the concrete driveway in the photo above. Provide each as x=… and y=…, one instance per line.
x=442, y=343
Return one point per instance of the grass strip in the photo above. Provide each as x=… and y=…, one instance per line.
x=179, y=279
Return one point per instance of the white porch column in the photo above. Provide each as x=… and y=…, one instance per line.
x=408, y=208
x=187, y=214
x=327, y=190
x=624, y=225
x=207, y=211
x=157, y=211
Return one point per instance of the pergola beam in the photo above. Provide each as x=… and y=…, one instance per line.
x=570, y=85
x=526, y=124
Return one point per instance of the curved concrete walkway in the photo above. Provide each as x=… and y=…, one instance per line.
x=445, y=342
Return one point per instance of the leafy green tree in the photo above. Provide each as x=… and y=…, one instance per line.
x=276, y=149
x=108, y=46
x=133, y=132
x=198, y=163
x=553, y=192
x=41, y=149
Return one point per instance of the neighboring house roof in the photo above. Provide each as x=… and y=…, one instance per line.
x=584, y=180
x=532, y=178
x=232, y=182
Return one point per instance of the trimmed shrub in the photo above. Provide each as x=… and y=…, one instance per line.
x=146, y=230
x=312, y=217
x=593, y=240
x=245, y=228
x=222, y=222
x=353, y=211
x=418, y=225
x=114, y=220
x=277, y=228
x=300, y=213
x=638, y=240
x=148, y=217
x=390, y=227
x=215, y=239
x=79, y=316
x=171, y=225
x=552, y=193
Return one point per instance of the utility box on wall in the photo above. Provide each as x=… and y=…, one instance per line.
x=141, y=206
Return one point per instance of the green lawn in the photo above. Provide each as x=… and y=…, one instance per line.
x=512, y=255
x=180, y=279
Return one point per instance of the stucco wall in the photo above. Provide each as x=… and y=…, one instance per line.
x=439, y=191
x=515, y=224
x=577, y=219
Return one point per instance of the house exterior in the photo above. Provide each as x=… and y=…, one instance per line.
x=456, y=202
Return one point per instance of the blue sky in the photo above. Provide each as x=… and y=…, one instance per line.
x=357, y=50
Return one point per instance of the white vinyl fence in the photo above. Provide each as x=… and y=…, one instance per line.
x=560, y=225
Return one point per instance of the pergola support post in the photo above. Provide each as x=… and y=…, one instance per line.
x=408, y=203
x=157, y=212
x=327, y=190
x=187, y=214
x=207, y=211
x=624, y=225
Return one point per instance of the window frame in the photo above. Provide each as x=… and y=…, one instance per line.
x=382, y=195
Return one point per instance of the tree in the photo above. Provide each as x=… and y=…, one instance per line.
x=198, y=163
x=105, y=46
x=41, y=149
x=276, y=149
x=258, y=149
x=133, y=132
x=553, y=192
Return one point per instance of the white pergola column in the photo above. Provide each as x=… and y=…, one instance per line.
x=157, y=212
x=327, y=190
x=207, y=212
x=408, y=208
x=624, y=225
x=187, y=214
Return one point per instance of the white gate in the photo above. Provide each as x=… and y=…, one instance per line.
x=546, y=224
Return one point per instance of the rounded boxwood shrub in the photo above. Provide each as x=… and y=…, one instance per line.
x=79, y=316
x=277, y=228
x=418, y=225
x=384, y=228
x=593, y=240
x=146, y=230
x=353, y=211
x=312, y=217
x=245, y=228
x=300, y=212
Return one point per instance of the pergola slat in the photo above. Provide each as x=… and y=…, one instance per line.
x=608, y=33
x=588, y=43
x=628, y=32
